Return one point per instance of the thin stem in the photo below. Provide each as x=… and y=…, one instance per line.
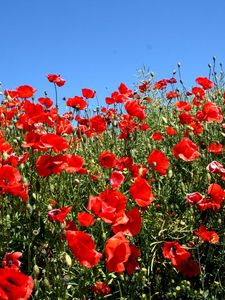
x=56, y=97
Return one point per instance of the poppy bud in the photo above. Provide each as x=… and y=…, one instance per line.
x=68, y=260
x=5, y=155
x=26, y=183
x=170, y=173
x=46, y=283
x=209, y=177
x=50, y=207
x=36, y=270
x=76, y=181
x=122, y=277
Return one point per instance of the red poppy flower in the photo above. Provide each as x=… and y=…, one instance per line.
x=158, y=162
x=171, y=95
x=123, y=89
x=5, y=147
x=56, y=79
x=214, y=201
x=127, y=125
x=14, y=285
x=131, y=265
x=33, y=114
x=194, y=198
x=199, y=93
x=215, y=148
x=107, y=160
x=134, y=109
x=82, y=121
x=87, y=93
x=11, y=93
x=11, y=182
x=63, y=126
x=47, y=102
x=117, y=252
x=124, y=162
x=85, y=219
x=13, y=159
x=170, y=130
x=101, y=288
x=189, y=268
x=182, y=105
x=98, y=124
x=186, y=118
x=138, y=170
x=76, y=102
x=73, y=163
x=95, y=204
x=110, y=114
x=143, y=127
x=205, y=82
x=116, y=97
x=133, y=225
x=216, y=193
x=197, y=127
x=83, y=248
x=25, y=91
x=70, y=225
x=110, y=206
x=141, y=192
x=157, y=136
x=207, y=236
x=116, y=179
x=160, y=85
x=144, y=87
x=11, y=260
x=53, y=141
x=32, y=140
x=216, y=167
x=47, y=164
x=186, y=150
x=175, y=253
x=212, y=112
x=172, y=80
x=59, y=214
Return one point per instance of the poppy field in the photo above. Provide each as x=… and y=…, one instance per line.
x=125, y=201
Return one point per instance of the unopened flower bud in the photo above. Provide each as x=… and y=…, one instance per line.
x=68, y=260
x=170, y=173
x=46, y=283
x=36, y=270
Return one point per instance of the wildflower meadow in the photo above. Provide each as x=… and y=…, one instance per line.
x=124, y=201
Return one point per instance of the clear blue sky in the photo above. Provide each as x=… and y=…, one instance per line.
x=100, y=43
